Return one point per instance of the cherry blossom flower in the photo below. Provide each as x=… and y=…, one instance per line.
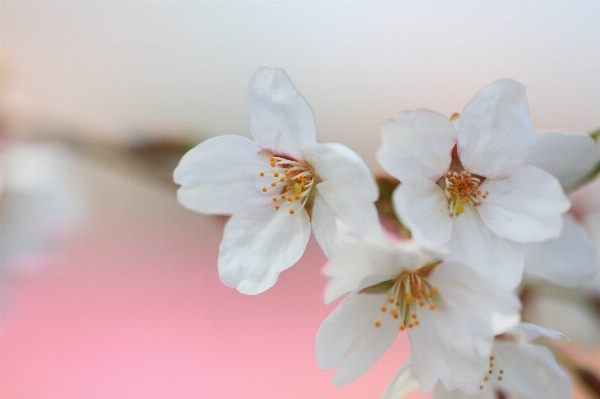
x=573, y=258
x=276, y=186
x=450, y=312
x=469, y=187
x=570, y=261
x=515, y=367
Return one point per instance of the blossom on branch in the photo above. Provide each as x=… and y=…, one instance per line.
x=276, y=186
x=450, y=312
x=469, y=186
x=515, y=367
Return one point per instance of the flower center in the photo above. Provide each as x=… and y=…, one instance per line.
x=292, y=183
x=408, y=293
x=462, y=188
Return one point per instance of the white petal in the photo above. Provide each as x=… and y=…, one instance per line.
x=531, y=371
x=569, y=157
x=477, y=246
x=443, y=347
x=490, y=308
x=343, y=207
x=221, y=175
x=423, y=208
x=525, y=207
x=404, y=382
x=336, y=162
x=349, y=338
x=531, y=332
x=373, y=260
x=324, y=226
x=495, y=134
x=280, y=119
x=417, y=144
x=258, y=245
x=340, y=216
x=567, y=260
x=566, y=310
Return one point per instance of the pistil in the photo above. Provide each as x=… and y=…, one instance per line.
x=462, y=188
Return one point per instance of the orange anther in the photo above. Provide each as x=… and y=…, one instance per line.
x=432, y=306
x=391, y=300
x=277, y=207
x=414, y=315
x=282, y=179
x=275, y=174
x=273, y=184
x=383, y=309
x=377, y=324
x=272, y=159
x=262, y=174
x=417, y=322
x=433, y=289
x=421, y=303
x=402, y=328
x=264, y=189
x=274, y=199
x=291, y=211
x=410, y=325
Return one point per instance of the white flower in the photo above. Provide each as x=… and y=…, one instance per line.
x=573, y=258
x=451, y=313
x=469, y=186
x=515, y=367
x=268, y=184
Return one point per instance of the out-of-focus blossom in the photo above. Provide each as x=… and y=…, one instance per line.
x=40, y=203
x=470, y=186
x=573, y=258
x=451, y=313
x=515, y=367
x=276, y=186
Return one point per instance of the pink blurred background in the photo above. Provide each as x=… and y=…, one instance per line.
x=133, y=308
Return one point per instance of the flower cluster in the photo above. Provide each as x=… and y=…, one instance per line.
x=482, y=212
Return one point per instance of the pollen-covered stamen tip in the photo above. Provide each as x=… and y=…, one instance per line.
x=462, y=188
x=293, y=183
x=408, y=295
x=491, y=374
